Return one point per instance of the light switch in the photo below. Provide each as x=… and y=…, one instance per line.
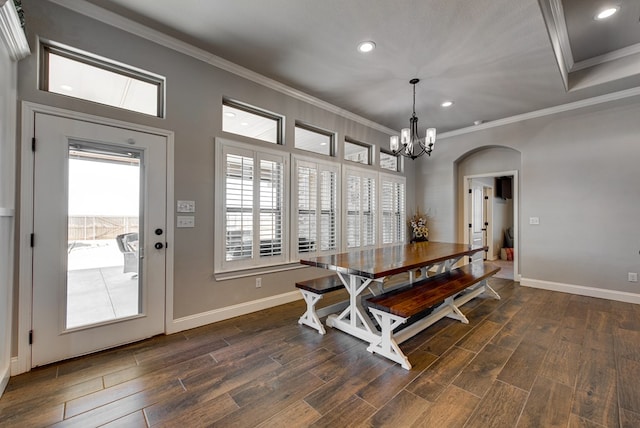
x=534, y=220
x=185, y=221
x=186, y=206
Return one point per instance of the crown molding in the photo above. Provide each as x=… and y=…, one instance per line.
x=627, y=93
x=12, y=32
x=125, y=24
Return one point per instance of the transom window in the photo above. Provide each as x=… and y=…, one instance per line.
x=248, y=121
x=314, y=139
x=357, y=152
x=69, y=72
x=389, y=161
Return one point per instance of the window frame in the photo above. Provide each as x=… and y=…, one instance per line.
x=399, y=163
x=279, y=119
x=223, y=148
x=369, y=147
x=320, y=166
x=48, y=47
x=326, y=133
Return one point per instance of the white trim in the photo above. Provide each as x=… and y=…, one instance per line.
x=162, y=39
x=14, y=366
x=614, y=96
x=5, y=374
x=204, y=318
x=12, y=32
x=6, y=212
x=25, y=276
x=607, y=57
x=601, y=293
x=560, y=25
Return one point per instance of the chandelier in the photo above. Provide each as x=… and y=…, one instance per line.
x=409, y=144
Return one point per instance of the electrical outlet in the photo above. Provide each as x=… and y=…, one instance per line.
x=633, y=277
x=258, y=282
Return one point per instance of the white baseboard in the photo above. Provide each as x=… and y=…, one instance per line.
x=620, y=296
x=5, y=374
x=204, y=318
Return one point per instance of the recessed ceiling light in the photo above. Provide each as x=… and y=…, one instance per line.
x=606, y=13
x=447, y=104
x=66, y=88
x=478, y=122
x=230, y=114
x=244, y=123
x=366, y=47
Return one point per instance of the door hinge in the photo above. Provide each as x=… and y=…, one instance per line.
x=486, y=197
x=32, y=239
x=33, y=144
x=470, y=191
x=30, y=337
x=470, y=225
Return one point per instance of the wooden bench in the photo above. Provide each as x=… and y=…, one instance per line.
x=431, y=298
x=312, y=291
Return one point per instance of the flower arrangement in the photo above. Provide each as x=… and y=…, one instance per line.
x=418, y=223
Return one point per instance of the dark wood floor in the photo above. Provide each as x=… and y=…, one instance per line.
x=533, y=359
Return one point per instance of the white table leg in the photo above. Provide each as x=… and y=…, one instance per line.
x=353, y=319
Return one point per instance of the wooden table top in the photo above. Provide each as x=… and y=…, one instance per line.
x=385, y=261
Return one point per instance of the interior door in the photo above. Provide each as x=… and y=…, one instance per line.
x=478, y=225
x=99, y=237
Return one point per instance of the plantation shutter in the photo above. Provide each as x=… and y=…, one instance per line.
x=393, y=209
x=317, y=207
x=239, y=174
x=360, y=200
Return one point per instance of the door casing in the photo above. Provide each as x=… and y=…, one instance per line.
x=22, y=363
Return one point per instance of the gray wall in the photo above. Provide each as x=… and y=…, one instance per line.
x=579, y=174
x=194, y=96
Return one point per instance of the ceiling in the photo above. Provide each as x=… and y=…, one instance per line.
x=494, y=58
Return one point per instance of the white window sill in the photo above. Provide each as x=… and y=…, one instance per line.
x=243, y=273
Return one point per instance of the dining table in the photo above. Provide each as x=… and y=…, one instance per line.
x=364, y=270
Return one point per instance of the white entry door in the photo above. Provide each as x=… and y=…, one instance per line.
x=99, y=237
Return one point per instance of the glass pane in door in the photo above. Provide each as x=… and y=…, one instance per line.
x=103, y=280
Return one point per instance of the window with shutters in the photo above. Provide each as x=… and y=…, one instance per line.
x=360, y=202
x=254, y=224
x=393, y=211
x=316, y=198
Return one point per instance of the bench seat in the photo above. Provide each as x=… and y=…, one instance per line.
x=312, y=291
x=433, y=298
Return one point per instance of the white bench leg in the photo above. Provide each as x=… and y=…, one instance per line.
x=456, y=313
x=386, y=345
x=491, y=291
x=310, y=317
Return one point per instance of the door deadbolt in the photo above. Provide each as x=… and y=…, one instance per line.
x=158, y=231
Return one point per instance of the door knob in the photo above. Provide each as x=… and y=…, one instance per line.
x=159, y=245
